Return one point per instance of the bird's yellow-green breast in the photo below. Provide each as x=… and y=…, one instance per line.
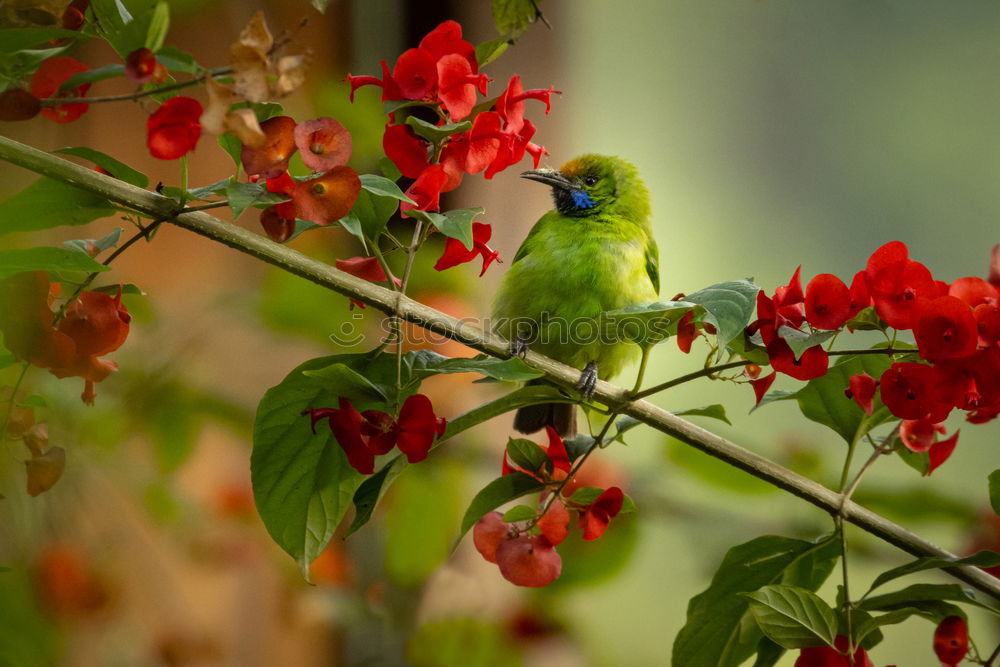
x=592, y=253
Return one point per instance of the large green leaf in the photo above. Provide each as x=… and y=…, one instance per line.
x=728, y=307
x=436, y=133
x=455, y=224
x=793, y=617
x=719, y=631
x=823, y=401
x=19, y=39
x=513, y=17
x=46, y=259
x=48, y=203
x=302, y=482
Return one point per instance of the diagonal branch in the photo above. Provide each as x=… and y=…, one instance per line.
x=391, y=302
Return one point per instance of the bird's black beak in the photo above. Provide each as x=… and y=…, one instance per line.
x=551, y=177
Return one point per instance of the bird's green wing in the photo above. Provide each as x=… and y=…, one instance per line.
x=652, y=263
x=526, y=244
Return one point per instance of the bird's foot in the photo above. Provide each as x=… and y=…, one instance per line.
x=588, y=381
x=519, y=346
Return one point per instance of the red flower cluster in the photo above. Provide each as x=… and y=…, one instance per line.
x=94, y=325
x=174, y=129
x=443, y=73
x=525, y=551
x=956, y=327
x=363, y=435
x=325, y=146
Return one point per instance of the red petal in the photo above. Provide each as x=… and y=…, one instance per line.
x=323, y=143
x=828, y=302
x=447, y=38
x=557, y=450
x=270, y=159
x=951, y=640
x=418, y=427
x=812, y=363
x=426, y=190
x=761, y=385
x=415, y=74
x=368, y=268
x=51, y=74
x=406, y=150
x=554, y=524
x=328, y=197
x=940, y=451
x=945, y=328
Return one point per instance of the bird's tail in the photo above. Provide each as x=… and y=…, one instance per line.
x=560, y=416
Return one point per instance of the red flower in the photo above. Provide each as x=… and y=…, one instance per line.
x=529, y=560
x=761, y=385
x=98, y=324
x=945, y=328
x=323, y=143
x=994, y=275
x=556, y=453
x=456, y=253
x=686, y=332
x=862, y=389
x=554, y=524
x=489, y=533
x=510, y=104
x=279, y=229
x=897, y=284
x=415, y=73
x=458, y=85
x=140, y=65
x=328, y=197
x=51, y=74
x=174, y=129
x=482, y=142
x=783, y=309
x=951, y=641
x=447, y=39
x=909, y=390
x=270, y=159
x=987, y=324
x=426, y=190
x=595, y=517
x=940, y=451
x=390, y=90
x=828, y=302
x=406, y=150
x=824, y=656
x=364, y=435
x=918, y=434
x=812, y=363
x=974, y=291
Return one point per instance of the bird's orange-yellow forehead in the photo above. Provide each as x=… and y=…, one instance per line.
x=572, y=168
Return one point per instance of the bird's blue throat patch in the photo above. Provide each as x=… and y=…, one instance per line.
x=581, y=199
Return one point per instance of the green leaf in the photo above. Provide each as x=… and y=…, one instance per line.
x=116, y=25
x=773, y=397
x=48, y=203
x=519, y=398
x=715, y=411
x=527, y=455
x=388, y=169
x=208, y=191
x=369, y=215
x=768, y=653
x=728, y=306
x=513, y=369
x=496, y=493
x=867, y=320
x=436, y=133
x=979, y=559
x=382, y=186
x=919, y=461
x=932, y=600
x=513, y=17
x=19, y=39
x=233, y=147
x=823, y=401
x=119, y=170
x=302, y=482
x=800, y=341
x=793, y=617
x=623, y=426
x=159, y=25
x=644, y=324
x=719, y=631
x=91, y=76
x=457, y=224
x=176, y=60
x=489, y=51
x=344, y=381
x=994, y=485
x=46, y=259
x=520, y=513
x=243, y=195
x=867, y=633
x=99, y=245
x=368, y=495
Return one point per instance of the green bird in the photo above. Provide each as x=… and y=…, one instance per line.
x=592, y=253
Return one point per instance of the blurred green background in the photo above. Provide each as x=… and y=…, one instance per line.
x=771, y=134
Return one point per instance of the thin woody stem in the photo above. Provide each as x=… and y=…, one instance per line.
x=137, y=95
x=391, y=302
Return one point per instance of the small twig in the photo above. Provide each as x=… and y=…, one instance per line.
x=139, y=94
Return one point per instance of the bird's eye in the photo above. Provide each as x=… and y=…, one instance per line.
x=590, y=181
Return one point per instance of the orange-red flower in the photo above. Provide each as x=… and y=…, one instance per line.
x=174, y=129
x=51, y=74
